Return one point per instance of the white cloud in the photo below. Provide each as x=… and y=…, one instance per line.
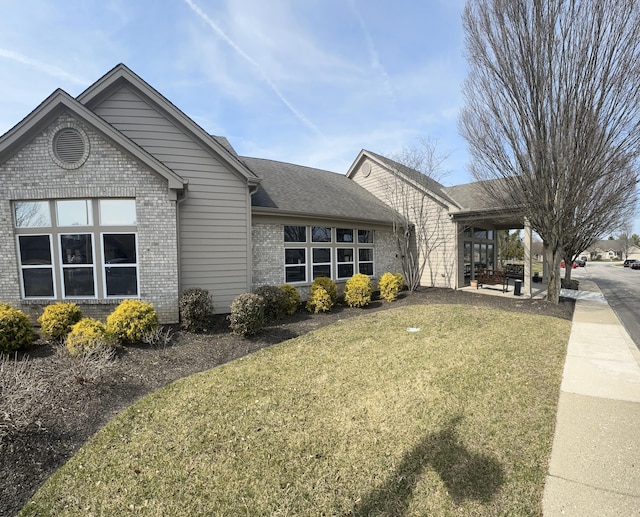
x=46, y=68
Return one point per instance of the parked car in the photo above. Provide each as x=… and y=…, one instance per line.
x=574, y=265
x=635, y=264
x=579, y=263
x=628, y=262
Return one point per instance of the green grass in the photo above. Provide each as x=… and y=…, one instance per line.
x=359, y=418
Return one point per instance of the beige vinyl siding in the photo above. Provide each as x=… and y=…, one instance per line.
x=214, y=219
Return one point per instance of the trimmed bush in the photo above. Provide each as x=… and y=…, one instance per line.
x=86, y=336
x=292, y=299
x=319, y=300
x=357, y=291
x=323, y=295
x=132, y=321
x=275, y=302
x=196, y=310
x=16, y=331
x=247, y=314
x=58, y=318
x=390, y=285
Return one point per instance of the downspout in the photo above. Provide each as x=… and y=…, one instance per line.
x=181, y=198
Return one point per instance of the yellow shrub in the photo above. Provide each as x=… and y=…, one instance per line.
x=357, y=291
x=319, y=300
x=15, y=329
x=390, y=285
x=85, y=336
x=131, y=321
x=58, y=318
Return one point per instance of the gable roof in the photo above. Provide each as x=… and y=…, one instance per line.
x=121, y=75
x=60, y=102
x=295, y=190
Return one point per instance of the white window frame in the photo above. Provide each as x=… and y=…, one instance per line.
x=91, y=265
x=313, y=263
x=23, y=267
x=105, y=266
x=352, y=262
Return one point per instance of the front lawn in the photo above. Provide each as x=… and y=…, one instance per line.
x=358, y=418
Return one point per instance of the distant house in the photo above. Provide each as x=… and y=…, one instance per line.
x=118, y=194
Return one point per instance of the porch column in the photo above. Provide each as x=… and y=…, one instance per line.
x=528, y=237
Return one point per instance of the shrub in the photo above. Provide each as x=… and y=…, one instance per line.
x=196, y=309
x=292, y=299
x=131, y=321
x=328, y=285
x=357, y=291
x=22, y=392
x=58, y=318
x=15, y=329
x=319, y=300
x=275, y=302
x=247, y=314
x=86, y=336
x=390, y=285
x=323, y=295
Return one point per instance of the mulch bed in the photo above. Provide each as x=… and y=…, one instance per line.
x=73, y=411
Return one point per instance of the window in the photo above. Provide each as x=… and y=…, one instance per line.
x=295, y=265
x=365, y=261
x=320, y=234
x=321, y=262
x=74, y=256
x=345, y=260
x=307, y=260
x=295, y=234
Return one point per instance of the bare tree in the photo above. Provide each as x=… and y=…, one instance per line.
x=553, y=112
x=419, y=219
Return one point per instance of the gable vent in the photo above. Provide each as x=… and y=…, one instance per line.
x=69, y=146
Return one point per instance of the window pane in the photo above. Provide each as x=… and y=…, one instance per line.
x=295, y=234
x=294, y=256
x=295, y=274
x=324, y=270
x=35, y=250
x=365, y=255
x=321, y=255
x=366, y=269
x=78, y=281
x=345, y=254
x=345, y=270
x=479, y=233
x=344, y=235
x=32, y=214
x=365, y=236
x=76, y=249
x=320, y=234
x=121, y=281
x=118, y=212
x=38, y=282
x=74, y=212
x=119, y=248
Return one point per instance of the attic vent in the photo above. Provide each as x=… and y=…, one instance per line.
x=70, y=147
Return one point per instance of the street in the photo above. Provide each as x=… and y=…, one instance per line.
x=621, y=287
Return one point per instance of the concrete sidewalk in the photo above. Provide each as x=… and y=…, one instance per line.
x=595, y=460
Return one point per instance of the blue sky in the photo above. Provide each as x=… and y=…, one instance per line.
x=303, y=81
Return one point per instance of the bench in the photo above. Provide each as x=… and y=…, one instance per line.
x=515, y=271
x=492, y=277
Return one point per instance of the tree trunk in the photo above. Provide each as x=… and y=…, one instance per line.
x=553, y=257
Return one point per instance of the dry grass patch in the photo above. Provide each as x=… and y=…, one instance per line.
x=359, y=418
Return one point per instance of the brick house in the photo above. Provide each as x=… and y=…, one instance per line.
x=118, y=194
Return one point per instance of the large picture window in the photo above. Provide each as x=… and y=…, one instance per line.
x=88, y=248
x=322, y=251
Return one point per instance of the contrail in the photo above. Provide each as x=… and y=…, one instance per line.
x=374, y=58
x=300, y=116
x=43, y=67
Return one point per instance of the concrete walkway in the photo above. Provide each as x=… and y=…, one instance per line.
x=595, y=460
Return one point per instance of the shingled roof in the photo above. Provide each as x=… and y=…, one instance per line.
x=290, y=189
